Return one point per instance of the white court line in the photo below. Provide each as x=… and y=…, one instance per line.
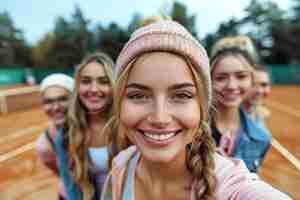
x=286, y=153
x=17, y=151
x=284, y=108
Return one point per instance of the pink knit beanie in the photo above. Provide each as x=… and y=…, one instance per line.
x=168, y=36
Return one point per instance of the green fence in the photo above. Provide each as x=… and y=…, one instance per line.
x=285, y=74
x=281, y=74
x=19, y=75
x=12, y=75
x=40, y=73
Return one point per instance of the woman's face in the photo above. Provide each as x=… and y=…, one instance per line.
x=232, y=79
x=94, y=87
x=55, y=102
x=263, y=83
x=160, y=110
x=261, y=89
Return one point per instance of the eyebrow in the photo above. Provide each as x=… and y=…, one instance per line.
x=173, y=87
x=87, y=77
x=236, y=72
x=182, y=85
x=137, y=86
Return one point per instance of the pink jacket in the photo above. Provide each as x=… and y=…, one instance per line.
x=234, y=181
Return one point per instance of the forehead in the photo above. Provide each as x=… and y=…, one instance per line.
x=55, y=91
x=231, y=64
x=160, y=68
x=93, y=69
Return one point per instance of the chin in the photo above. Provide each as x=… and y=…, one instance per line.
x=230, y=104
x=59, y=123
x=158, y=155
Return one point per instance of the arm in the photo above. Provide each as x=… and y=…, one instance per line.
x=235, y=182
x=46, y=154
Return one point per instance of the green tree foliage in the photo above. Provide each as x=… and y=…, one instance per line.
x=180, y=14
x=275, y=32
x=111, y=39
x=13, y=48
x=296, y=11
x=225, y=29
x=68, y=43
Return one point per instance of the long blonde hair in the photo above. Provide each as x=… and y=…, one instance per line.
x=200, y=154
x=78, y=140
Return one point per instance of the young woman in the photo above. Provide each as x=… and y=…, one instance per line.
x=162, y=100
x=254, y=104
x=235, y=133
x=81, y=160
x=90, y=108
x=56, y=90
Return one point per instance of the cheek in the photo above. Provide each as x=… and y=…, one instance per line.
x=267, y=91
x=65, y=108
x=82, y=90
x=130, y=114
x=246, y=85
x=47, y=110
x=107, y=90
x=218, y=86
x=189, y=115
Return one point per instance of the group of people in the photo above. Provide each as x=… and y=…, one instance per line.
x=164, y=122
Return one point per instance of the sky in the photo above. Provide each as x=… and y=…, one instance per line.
x=37, y=17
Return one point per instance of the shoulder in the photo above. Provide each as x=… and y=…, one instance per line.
x=123, y=157
x=234, y=181
x=253, y=129
x=42, y=144
x=44, y=148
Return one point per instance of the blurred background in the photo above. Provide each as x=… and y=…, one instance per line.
x=35, y=35
x=38, y=38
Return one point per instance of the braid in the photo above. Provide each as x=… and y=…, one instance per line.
x=200, y=162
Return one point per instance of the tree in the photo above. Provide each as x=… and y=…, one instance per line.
x=111, y=39
x=13, y=48
x=179, y=13
x=225, y=29
x=263, y=18
x=68, y=44
x=296, y=11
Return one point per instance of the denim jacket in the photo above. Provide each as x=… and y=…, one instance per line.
x=252, y=143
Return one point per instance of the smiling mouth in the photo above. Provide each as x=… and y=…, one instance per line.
x=159, y=137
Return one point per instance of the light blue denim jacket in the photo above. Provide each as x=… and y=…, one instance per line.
x=252, y=142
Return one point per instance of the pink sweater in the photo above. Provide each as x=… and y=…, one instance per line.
x=234, y=181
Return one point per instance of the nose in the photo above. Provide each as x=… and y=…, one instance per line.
x=94, y=86
x=160, y=116
x=56, y=105
x=232, y=83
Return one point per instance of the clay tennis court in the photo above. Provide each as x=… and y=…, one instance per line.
x=23, y=177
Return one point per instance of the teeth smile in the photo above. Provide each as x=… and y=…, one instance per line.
x=159, y=137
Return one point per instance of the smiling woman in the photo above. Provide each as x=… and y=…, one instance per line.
x=236, y=134
x=164, y=146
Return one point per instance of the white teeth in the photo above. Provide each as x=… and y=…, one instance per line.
x=159, y=137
